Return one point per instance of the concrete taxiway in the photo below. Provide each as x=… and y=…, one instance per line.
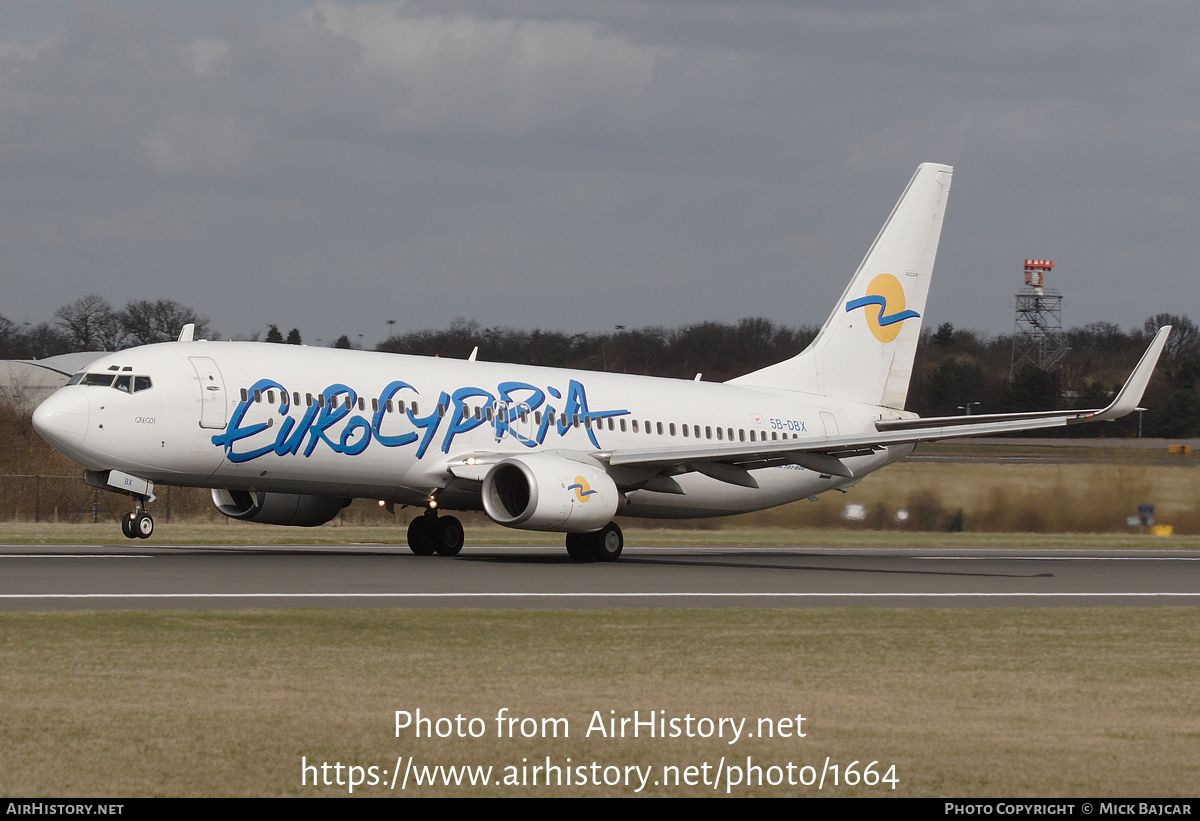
x=138, y=576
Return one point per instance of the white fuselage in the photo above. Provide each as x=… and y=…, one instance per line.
x=280, y=418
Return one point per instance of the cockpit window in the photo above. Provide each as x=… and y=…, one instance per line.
x=124, y=382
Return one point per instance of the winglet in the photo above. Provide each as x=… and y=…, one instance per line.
x=1131, y=394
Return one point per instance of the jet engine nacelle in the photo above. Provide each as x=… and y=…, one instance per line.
x=293, y=509
x=542, y=491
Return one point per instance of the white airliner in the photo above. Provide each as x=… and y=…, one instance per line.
x=290, y=435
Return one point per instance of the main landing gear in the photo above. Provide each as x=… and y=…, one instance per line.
x=604, y=545
x=443, y=535
x=138, y=524
x=430, y=533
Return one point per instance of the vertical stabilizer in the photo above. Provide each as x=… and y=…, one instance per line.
x=864, y=352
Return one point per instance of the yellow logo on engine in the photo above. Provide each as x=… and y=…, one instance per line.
x=582, y=489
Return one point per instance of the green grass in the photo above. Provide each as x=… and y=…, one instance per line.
x=964, y=702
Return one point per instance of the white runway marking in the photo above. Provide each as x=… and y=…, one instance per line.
x=535, y=595
x=1064, y=558
x=71, y=556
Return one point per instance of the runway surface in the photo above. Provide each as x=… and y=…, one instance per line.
x=109, y=577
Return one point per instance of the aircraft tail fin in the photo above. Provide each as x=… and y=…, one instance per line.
x=866, y=348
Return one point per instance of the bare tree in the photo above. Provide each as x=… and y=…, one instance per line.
x=10, y=339
x=43, y=340
x=1184, y=341
x=91, y=323
x=147, y=322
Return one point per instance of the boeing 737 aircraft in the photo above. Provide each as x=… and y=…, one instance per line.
x=290, y=435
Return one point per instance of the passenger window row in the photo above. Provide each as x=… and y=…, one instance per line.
x=576, y=420
x=320, y=400
x=693, y=431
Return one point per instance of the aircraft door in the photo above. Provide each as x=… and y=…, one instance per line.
x=830, y=423
x=213, y=408
x=521, y=423
x=501, y=412
x=513, y=420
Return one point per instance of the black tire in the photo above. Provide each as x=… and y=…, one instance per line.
x=448, y=536
x=577, y=547
x=420, y=537
x=607, y=543
x=127, y=525
x=143, y=526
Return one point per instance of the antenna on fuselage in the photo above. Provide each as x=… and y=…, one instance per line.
x=185, y=335
x=474, y=353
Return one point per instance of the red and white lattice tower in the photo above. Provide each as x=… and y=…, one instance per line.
x=1038, y=338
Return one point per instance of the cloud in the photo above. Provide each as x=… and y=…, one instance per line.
x=334, y=165
x=509, y=76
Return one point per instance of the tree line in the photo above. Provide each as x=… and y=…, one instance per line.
x=957, y=371
x=91, y=323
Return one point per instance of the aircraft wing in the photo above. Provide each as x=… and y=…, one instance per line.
x=731, y=462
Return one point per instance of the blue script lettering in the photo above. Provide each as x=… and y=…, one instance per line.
x=331, y=423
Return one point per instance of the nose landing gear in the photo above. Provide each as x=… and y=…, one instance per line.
x=138, y=524
x=135, y=525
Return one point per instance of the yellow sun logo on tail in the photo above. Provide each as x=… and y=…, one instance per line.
x=886, y=292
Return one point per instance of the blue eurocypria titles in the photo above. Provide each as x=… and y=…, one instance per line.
x=332, y=423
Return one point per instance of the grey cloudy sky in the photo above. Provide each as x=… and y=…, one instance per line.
x=579, y=165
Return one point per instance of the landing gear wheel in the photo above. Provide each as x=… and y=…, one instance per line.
x=143, y=526
x=420, y=536
x=606, y=543
x=577, y=547
x=448, y=535
x=127, y=525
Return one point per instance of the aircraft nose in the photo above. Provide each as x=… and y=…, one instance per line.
x=62, y=420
